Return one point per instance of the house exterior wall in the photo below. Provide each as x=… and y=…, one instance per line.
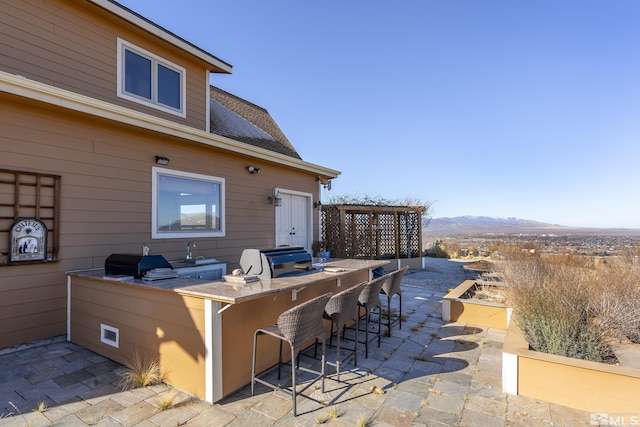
x=73, y=45
x=64, y=118
x=105, y=170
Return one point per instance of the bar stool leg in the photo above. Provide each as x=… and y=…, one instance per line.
x=389, y=314
x=253, y=361
x=322, y=368
x=338, y=360
x=355, y=352
x=366, y=336
x=380, y=325
x=400, y=312
x=280, y=360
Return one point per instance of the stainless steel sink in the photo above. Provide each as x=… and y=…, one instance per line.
x=203, y=261
x=206, y=268
x=181, y=263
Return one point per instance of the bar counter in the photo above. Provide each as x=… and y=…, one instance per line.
x=200, y=331
x=234, y=293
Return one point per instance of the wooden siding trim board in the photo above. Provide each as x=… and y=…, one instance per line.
x=53, y=96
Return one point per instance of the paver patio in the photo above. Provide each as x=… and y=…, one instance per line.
x=427, y=374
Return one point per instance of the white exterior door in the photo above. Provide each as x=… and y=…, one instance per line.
x=293, y=220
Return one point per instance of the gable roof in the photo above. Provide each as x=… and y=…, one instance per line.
x=239, y=119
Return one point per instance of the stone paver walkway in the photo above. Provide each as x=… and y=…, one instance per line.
x=427, y=374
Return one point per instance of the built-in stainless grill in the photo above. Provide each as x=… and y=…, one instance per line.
x=275, y=262
x=133, y=264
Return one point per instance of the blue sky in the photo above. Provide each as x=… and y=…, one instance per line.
x=503, y=108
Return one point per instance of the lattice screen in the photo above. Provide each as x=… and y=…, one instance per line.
x=29, y=195
x=371, y=232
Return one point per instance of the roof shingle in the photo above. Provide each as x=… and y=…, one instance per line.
x=239, y=119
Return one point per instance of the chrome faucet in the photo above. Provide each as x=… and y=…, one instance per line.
x=189, y=245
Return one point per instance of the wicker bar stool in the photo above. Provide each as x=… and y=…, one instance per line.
x=296, y=326
x=369, y=299
x=391, y=288
x=341, y=308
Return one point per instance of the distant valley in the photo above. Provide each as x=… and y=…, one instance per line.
x=474, y=225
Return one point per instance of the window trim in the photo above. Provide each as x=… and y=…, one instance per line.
x=155, y=61
x=156, y=172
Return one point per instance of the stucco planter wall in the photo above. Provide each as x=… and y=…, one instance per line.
x=399, y=263
x=457, y=308
x=580, y=384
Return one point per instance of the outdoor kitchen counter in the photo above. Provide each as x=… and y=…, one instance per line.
x=234, y=293
x=200, y=331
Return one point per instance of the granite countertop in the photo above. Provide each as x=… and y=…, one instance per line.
x=234, y=293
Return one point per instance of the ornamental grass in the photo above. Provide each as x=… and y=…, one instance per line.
x=572, y=305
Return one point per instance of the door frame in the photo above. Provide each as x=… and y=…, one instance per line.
x=309, y=219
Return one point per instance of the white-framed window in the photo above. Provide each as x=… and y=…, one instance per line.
x=150, y=80
x=186, y=204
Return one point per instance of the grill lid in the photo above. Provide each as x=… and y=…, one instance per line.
x=133, y=264
x=275, y=262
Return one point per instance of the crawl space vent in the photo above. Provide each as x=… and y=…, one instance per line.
x=109, y=335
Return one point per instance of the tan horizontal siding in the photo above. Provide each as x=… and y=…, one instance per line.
x=105, y=204
x=159, y=324
x=70, y=42
x=20, y=291
x=28, y=318
x=75, y=48
x=44, y=328
x=32, y=307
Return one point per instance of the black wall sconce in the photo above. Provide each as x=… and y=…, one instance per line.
x=326, y=185
x=253, y=169
x=162, y=160
x=317, y=205
x=276, y=199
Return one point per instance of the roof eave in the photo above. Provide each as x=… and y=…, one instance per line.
x=216, y=65
x=40, y=92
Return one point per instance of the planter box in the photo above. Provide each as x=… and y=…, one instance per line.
x=580, y=384
x=457, y=308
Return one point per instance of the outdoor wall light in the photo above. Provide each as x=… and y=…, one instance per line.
x=326, y=185
x=162, y=160
x=276, y=199
x=253, y=169
x=317, y=205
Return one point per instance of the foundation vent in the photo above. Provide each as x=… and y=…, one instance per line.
x=110, y=335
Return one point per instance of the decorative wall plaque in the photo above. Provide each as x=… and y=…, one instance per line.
x=28, y=240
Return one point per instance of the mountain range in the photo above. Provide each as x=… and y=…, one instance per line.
x=470, y=224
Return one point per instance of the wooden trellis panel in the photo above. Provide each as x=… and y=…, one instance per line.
x=29, y=195
x=371, y=232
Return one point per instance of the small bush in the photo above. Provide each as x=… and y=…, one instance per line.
x=42, y=406
x=142, y=372
x=437, y=251
x=167, y=401
x=332, y=412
